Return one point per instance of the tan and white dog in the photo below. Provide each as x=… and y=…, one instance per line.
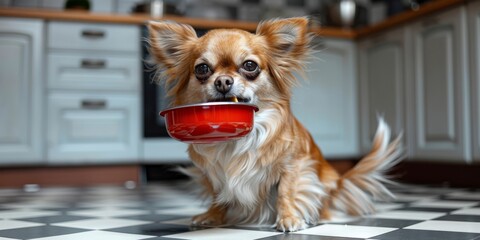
x=276, y=174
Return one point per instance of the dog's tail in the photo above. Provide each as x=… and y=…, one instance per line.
x=360, y=186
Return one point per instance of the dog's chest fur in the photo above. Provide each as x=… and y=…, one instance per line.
x=235, y=168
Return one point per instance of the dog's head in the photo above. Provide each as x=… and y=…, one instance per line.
x=256, y=68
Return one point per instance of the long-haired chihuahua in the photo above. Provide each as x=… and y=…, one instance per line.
x=276, y=174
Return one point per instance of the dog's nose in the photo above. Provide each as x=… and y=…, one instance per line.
x=223, y=83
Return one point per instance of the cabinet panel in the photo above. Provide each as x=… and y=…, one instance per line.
x=381, y=61
x=326, y=102
x=21, y=42
x=89, y=128
x=440, y=88
x=93, y=71
x=93, y=36
x=474, y=31
x=436, y=86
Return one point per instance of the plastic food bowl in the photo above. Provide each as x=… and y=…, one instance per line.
x=209, y=122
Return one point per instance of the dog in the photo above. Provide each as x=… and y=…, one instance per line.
x=276, y=174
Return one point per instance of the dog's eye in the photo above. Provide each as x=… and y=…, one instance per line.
x=250, y=66
x=202, y=72
x=250, y=70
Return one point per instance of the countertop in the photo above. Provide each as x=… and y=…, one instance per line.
x=353, y=34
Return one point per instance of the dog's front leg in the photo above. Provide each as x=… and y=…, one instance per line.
x=214, y=216
x=288, y=219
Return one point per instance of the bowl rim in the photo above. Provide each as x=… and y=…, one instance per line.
x=163, y=112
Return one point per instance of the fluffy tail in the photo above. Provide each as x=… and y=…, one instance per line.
x=360, y=186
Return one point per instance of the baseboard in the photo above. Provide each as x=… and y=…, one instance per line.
x=434, y=173
x=14, y=177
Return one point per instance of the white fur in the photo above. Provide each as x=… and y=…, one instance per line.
x=224, y=157
x=241, y=191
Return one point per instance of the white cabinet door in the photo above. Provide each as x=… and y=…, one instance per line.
x=96, y=128
x=439, y=88
x=326, y=103
x=21, y=88
x=474, y=31
x=382, y=83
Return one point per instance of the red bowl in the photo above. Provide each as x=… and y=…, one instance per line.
x=209, y=122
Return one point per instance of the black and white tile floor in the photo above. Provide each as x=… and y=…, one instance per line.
x=163, y=211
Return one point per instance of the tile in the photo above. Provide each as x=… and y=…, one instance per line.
x=181, y=221
x=34, y=205
x=40, y=231
x=109, y=204
x=404, y=234
x=289, y=236
x=382, y=222
x=172, y=202
x=223, y=233
x=450, y=226
x=12, y=224
x=54, y=219
x=104, y=223
x=467, y=211
x=24, y=213
x=108, y=212
x=185, y=211
x=444, y=204
x=154, y=217
x=155, y=229
x=346, y=231
x=407, y=215
x=96, y=235
x=458, y=217
x=428, y=209
x=381, y=207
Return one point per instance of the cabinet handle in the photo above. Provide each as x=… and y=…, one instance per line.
x=94, y=104
x=93, y=34
x=95, y=64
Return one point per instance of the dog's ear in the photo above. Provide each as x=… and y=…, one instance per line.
x=286, y=37
x=288, y=41
x=169, y=41
x=171, y=46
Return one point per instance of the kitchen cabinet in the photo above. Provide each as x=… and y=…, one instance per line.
x=381, y=84
x=93, y=128
x=474, y=31
x=21, y=89
x=326, y=101
x=93, y=92
x=437, y=88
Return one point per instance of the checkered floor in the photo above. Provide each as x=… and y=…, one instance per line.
x=163, y=211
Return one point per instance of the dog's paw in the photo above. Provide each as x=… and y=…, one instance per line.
x=207, y=219
x=290, y=224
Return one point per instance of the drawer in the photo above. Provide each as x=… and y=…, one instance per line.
x=93, y=128
x=93, y=71
x=91, y=36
